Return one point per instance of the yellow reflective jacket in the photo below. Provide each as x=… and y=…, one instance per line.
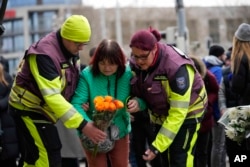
x=168, y=108
x=33, y=92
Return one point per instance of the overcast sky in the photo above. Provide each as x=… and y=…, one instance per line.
x=164, y=3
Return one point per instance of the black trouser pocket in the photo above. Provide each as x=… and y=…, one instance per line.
x=50, y=137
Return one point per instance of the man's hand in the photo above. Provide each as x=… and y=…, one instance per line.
x=92, y=132
x=149, y=155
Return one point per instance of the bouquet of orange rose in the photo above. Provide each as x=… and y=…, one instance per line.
x=105, y=109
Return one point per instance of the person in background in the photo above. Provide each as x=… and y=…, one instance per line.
x=9, y=150
x=227, y=99
x=202, y=150
x=5, y=64
x=43, y=86
x=142, y=135
x=71, y=151
x=214, y=63
x=167, y=81
x=225, y=92
x=227, y=63
x=107, y=74
x=91, y=53
x=240, y=65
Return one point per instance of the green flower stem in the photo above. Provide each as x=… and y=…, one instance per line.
x=95, y=150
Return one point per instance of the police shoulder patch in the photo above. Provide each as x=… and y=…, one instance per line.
x=180, y=82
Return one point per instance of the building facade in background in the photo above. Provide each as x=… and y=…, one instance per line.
x=28, y=20
x=25, y=21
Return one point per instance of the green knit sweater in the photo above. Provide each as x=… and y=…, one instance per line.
x=90, y=86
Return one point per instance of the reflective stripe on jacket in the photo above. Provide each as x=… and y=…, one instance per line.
x=33, y=92
x=168, y=108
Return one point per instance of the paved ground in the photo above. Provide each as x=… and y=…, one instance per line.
x=83, y=164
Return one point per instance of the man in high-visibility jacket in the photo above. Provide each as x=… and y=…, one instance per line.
x=45, y=81
x=167, y=80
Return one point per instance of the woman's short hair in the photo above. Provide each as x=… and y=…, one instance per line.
x=111, y=51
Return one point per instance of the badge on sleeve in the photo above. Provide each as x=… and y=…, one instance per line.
x=180, y=82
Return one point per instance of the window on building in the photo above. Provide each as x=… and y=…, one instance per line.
x=144, y=24
x=192, y=29
x=41, y=23
x=13, y=64
x=13, y=39
x=125, y=30
x=163, y=24
x=18, y=3
x=18, y=26
x=18, y=42
x=7, y=44
x=214, y=30
x=8, y=27
x=232, y=25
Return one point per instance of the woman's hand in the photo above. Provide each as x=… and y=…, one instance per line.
x=149, y=155
x=133, y=106
x=85, y=106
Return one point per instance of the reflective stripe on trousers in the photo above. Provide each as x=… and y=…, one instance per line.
x=39, y=142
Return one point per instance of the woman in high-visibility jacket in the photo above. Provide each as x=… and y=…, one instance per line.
x=43, y=86
x=166, y=79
